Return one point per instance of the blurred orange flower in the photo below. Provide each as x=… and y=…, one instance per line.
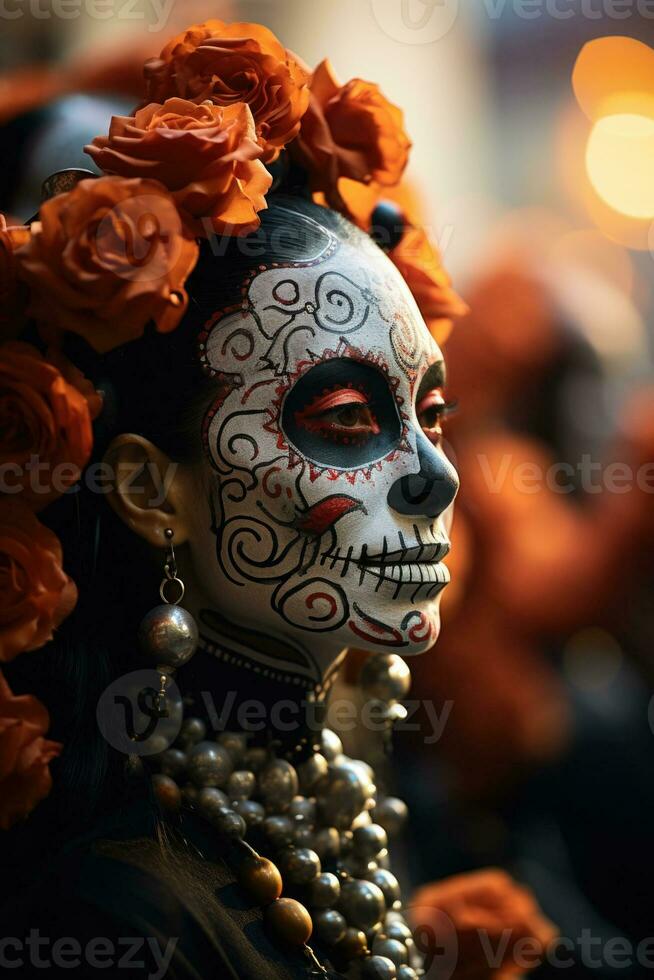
x=107, y=258
x=13, y=298
x=228, y=63
x=350, y=131
x=420, y=264
x=206, y=155
x=24, y=755
x=36, y=595
x=487, y=925
x=46, y=416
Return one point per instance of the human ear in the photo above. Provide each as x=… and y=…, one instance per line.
x=146, y=488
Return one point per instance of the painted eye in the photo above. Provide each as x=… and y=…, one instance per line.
x=343, y=414
x=431, y=410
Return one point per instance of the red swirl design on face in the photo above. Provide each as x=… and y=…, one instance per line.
x=423, y=630
x=326, y=513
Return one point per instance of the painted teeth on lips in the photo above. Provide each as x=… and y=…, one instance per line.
x=423, y=554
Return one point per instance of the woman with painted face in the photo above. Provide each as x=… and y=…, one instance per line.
x=264, y=485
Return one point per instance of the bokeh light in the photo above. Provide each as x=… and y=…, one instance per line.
x=620, y=163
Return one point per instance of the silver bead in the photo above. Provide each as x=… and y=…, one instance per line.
x=169, y=635
x=230, y=824
x=391, y=948
x=389, y=885
x=330, y=926
x=359, y=867
x=398, y=930
x=209, y=764
x=385, y=676
x=279, y=830
x=378, y=968
x=369, y=841
x=253, y=813
x=278, y=784
x=172, y=762
x=406, y=973
x=362, y=904
x=327, y=843
x=302, y=865
x=236, y=744
x=311, y=772
x=193, y=730
x=302, y=810
x=390, y=813
x=330, y=744
x=343, y=796
x=241, y=784
x=324, y=891
x=362, y=820
x=210, y=801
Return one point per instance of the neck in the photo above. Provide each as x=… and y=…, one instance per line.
x=269, y=687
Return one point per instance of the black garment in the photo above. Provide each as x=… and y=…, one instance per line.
x=169, y=910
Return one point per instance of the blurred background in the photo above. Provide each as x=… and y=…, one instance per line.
x=533, y=169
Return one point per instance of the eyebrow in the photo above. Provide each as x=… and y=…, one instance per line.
x=434, y=377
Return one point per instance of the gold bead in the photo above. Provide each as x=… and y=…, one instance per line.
x=261, y=878
x=352, y=945
x=289, y=921
x=167, y=792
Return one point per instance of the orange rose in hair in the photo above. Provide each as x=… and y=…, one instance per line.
x=24, y=755
x=45, y=418
x=420, y=264
x=228, y=63
x=105, y=259
x=36, y=595
x=486, y=925
x=206, y=155
x=350, y=131
x=13, y=298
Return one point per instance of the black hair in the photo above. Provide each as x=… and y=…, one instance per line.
x=153, y=386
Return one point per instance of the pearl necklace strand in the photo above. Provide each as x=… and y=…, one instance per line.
x=320, y=827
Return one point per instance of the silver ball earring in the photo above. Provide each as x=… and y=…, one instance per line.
x=386, y=679
x=168, y=633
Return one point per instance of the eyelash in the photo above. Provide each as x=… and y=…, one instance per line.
x=434, y=402
x=336, y=402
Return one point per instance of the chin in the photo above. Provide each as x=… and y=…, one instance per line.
x=406, y=628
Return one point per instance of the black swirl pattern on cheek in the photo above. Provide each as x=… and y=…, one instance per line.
x=317, y=605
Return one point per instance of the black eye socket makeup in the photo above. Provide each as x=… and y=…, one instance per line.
x=342, y=414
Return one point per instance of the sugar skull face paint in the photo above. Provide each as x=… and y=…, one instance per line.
x=330, y=490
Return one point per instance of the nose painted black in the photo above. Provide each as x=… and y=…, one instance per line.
x=430, y=491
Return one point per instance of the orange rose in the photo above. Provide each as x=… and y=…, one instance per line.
x=105, y=259
x=44, y=416
x=228, y=63
x=420, y=264
x=24, y=755
x=13, y=299
x=350, y=131
x=35, y=593
x=206, y=155
x=481, y=915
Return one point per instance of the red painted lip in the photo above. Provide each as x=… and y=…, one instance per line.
x=324, y=515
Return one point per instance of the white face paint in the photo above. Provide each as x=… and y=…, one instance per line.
x=329, y=487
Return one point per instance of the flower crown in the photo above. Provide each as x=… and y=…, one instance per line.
x=228, y=110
